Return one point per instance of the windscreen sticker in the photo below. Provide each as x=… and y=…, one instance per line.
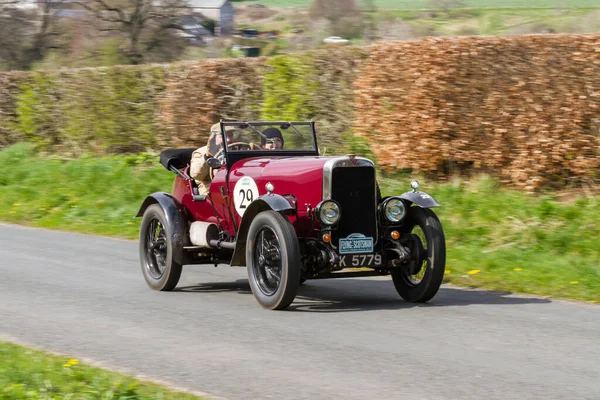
x=244, y=193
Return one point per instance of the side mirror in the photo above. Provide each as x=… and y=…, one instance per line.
x=214, y=163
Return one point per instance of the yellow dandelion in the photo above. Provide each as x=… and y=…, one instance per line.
x=16, y=204
x=66, y=365
x=73, y=361
x=574, y=282
x=474, y=272
x=447, y=272
x=518, y=269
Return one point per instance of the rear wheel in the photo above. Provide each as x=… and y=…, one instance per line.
x=420, y=279
x=160, y=271
x=273, y=260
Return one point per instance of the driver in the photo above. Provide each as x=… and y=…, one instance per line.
x=199, y=169
x=272, y=139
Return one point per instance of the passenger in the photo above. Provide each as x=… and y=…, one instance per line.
x=199, y=169
x=273, y=139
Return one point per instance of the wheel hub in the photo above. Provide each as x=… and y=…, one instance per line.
x=417, y=254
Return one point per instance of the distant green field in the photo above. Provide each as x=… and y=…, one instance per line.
x=419, y=4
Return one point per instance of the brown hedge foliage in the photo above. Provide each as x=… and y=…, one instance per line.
x=525, y=108
x=198, y=95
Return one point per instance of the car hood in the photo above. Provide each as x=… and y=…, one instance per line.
x=282, y=166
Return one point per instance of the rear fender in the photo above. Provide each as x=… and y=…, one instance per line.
x=421, y=199
x=176, y=221
x=265, y=202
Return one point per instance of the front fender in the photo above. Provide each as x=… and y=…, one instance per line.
x=265, y=202
x=176, y=221
x=421, y=199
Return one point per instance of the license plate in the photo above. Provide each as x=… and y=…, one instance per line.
x=361, y=260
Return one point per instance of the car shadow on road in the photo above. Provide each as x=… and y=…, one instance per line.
x=365, y=295
x=240, y=286
x=351, y=295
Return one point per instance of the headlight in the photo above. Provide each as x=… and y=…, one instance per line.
x=328, y=212
x=394, y=210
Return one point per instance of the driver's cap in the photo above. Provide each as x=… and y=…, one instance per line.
x=216, y=128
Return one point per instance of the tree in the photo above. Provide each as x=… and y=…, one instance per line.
x=47, y=35
x=148, y=28
x=26, y=34
x=344, y=16
x=370, y=20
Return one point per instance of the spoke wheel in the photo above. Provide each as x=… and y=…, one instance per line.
x=160, y=271
x=273, y=260
x=267, y=261
x=420, y=279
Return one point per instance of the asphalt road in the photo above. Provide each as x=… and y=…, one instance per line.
x=341, y=339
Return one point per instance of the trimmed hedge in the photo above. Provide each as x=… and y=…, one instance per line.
x=104, y=110
x=9, y=89
x=198, y=95
x=524, y=108
x=316, y=85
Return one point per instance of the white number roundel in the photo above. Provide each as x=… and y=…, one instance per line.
x=245, y=192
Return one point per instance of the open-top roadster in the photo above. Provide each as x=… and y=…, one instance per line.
x=289, y=215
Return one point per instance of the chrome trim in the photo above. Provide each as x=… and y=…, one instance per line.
x=348, y=161
x=342, y=162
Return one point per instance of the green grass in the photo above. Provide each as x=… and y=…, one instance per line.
x=88, y=195
x=518, y=242
x=504, y=239
x=32, y=374
x=425, y=4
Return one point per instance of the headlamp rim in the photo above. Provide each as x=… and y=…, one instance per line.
x=385, y=204
x=319, y=207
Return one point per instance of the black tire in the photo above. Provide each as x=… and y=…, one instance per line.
x=160, y=271
x=273, y=260
x=431, y=265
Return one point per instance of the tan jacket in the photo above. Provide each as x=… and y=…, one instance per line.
x=199, y=169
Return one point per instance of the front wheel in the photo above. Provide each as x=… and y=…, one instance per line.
x=273, y=260
x=160, y=270
x=420, y=279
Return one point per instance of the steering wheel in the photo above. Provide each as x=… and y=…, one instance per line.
x=239, y=146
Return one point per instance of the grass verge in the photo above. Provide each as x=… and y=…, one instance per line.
x=33, y=374
x=497, y=238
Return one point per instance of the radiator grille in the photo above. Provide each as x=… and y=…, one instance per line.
x=354, y=189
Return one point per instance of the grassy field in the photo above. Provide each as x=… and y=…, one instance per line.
x=511, y=21
x=497, y=238
x=425, y=4
x=32, y=374
x=397, y=22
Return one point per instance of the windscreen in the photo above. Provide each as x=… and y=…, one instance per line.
x=269, y=136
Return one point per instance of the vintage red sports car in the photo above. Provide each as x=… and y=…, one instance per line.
x=289, y=215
